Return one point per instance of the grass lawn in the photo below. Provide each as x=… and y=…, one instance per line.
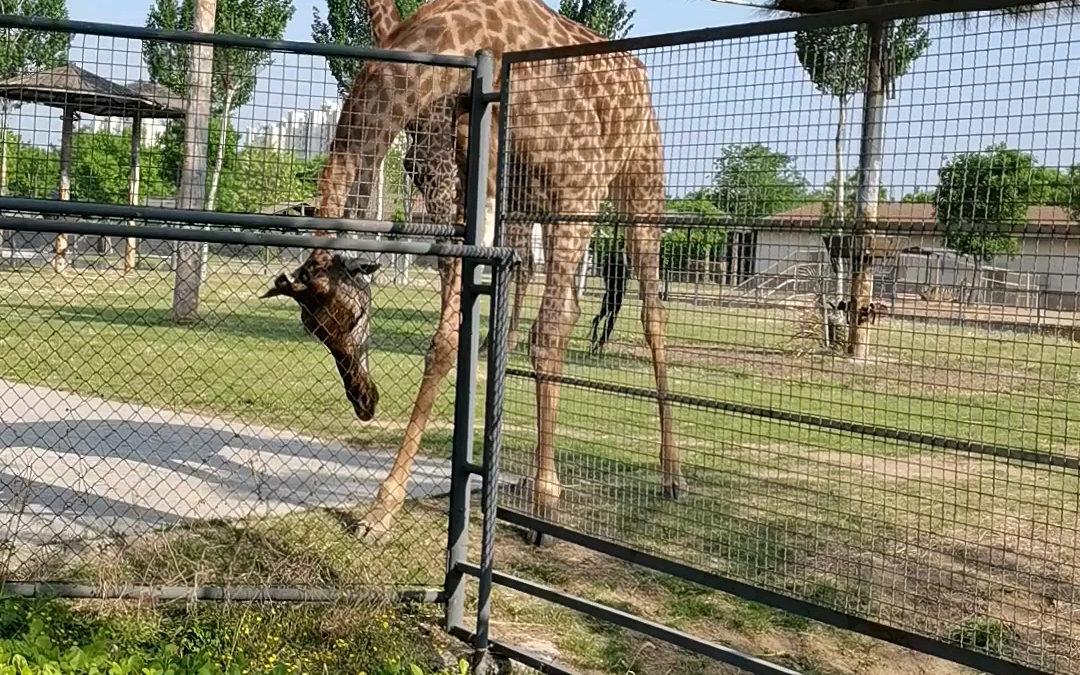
x=946, y=543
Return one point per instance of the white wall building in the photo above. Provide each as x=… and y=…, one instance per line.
x=306, y=133
x=151, y=129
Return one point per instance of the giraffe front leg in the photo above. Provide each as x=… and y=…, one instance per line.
x=439, y=361
x=549, y=339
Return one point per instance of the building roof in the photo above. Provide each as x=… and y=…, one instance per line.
x=914, y=218
x=69, y=86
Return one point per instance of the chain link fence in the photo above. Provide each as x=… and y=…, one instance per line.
x=175, y=425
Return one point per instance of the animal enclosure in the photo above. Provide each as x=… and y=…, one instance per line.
x=913, y=478
x=868, y=376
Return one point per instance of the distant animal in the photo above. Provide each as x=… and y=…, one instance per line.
x=867, y=314
x=614, y=270
x=334, y=294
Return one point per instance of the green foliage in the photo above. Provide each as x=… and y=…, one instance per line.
x=264, y=177
x=919, y=197
x=835, y=58
x=101, y=168
x=609, y=18
x=23, y=50
x=685, y=248
x=43, y=637
x=755, y=181
x=172, y=150
x=988, y=194
x=32, y=172
x=349, y=23
x=235, y=71
x=851, y=193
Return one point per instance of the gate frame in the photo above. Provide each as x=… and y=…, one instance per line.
x=485, y=573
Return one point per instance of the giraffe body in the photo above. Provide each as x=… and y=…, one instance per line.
x=589, y=131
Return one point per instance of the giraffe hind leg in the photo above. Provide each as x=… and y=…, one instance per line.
x=639, y=191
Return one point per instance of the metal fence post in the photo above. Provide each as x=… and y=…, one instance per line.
x=469, y=342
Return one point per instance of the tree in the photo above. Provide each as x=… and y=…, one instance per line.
x=22, y=51
x=981, y=198
x=754, y=181
x=235, y=71
x=171, y=144
x=684, y=248
x=835, y=60
x=834, y=194
x=101, y=168
x=262, y=177
x=610, y=18
x=349, y=23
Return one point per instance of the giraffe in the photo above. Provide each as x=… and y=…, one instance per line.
x=431, y=163
x=608, y=144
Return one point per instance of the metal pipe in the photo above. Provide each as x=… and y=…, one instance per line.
x=468, y=344
x=678, y=638
x=231, y=40
x=898, y=636
x=945, y=443
x=485, y=254
x=888, y=11
x=44, y=589
x=253, y=221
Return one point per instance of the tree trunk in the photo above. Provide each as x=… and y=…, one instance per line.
x=192, y=192
x=67, y=132
x=3, y=156
x=862, y=270
x=131, y=246
x=219, y=159
x=840, y=181
x=215, y=178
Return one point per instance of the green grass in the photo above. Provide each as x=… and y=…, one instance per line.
x=849, y=522
x=50, y=637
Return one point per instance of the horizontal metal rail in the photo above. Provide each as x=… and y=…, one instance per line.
x=955, y=653
x=678, y=638
x=914, y=437
x=485, y=254
x=514, y=653
x=883, y=226
x=246, y=221
x=27, y=589
x=229, y=40
x=888, y=11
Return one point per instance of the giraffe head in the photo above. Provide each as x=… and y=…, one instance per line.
x=334, y=294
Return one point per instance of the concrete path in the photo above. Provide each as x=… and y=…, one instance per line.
x=73, y=467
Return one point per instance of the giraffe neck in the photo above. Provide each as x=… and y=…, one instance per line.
x=384, y=19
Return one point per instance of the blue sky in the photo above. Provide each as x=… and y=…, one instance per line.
x=977, y=84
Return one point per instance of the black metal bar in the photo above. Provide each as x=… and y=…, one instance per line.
x=498, y=338
x=888, y=11
x=480, y=253
x=525, y=658
x=678, y=638
x=779, y=223
x=468, y=344
x=229, y=40
x=252, y=221
x=39, y=589
x=914, y=437
x=921, y=643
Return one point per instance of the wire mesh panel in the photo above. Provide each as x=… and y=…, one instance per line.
x=170, y=417
x=866, y=367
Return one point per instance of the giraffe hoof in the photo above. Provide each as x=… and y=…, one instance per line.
x=675, y=491
x=538, y=539
x=374, y=527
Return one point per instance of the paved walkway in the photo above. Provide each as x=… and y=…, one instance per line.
x=73, y=467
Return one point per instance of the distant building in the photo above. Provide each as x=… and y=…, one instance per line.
x=151, y=129
x=305, y=133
